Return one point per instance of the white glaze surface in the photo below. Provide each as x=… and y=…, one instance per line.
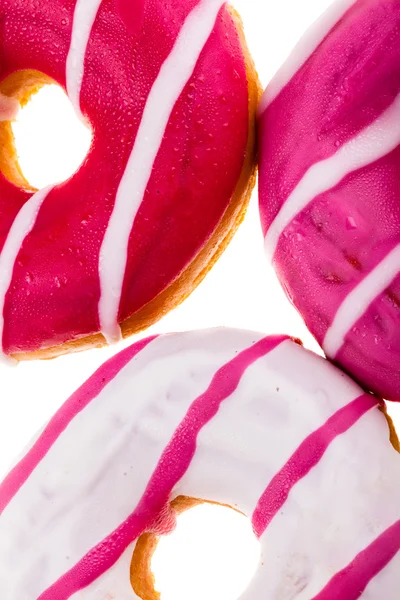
x=170, y=83
x=303, y=50
x=110, y=449
x=358, y=301
x=374, y=142
x=22, y=226
x=338, y=505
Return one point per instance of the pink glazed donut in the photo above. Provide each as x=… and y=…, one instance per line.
x=170, y=93
x=231, y=417
x=330, y=186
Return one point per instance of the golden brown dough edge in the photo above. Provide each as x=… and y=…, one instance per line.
x=194, y=274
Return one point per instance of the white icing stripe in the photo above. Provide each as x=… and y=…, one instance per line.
x=357, y=302
x=303, y=50
x=31, y=442
x=84, y=17
x=127, y=420
x=174, y=75
x=21, y=227
x=371, y=144
x=388, y=579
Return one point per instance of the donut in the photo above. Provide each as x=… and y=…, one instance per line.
x=169, y=91
x=329, y=126
x=223, y=416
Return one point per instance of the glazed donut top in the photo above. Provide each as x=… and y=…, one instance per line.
x=228, y=416
x=161, y=85
x=329, y=186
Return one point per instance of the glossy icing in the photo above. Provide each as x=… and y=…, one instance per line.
x=223, y=415
x=329, y=188
x=160, y=86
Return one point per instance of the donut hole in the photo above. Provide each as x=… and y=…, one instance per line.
x=212, y=553
x=47, y=142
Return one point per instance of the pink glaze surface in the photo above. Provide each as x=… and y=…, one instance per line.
x=55, y=288
x=340, y=105
x=254, y=422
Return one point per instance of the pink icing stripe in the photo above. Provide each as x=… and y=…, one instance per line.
x=74, y=405
x=352, y=581
x=173, y=464
x=305, y=458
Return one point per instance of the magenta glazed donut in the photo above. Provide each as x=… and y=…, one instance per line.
x=170, y=93
x=330, y=186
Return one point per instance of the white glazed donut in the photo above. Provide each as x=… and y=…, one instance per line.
x=8, y=108
x=226, y=416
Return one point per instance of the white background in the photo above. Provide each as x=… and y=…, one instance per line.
x=241, y=291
